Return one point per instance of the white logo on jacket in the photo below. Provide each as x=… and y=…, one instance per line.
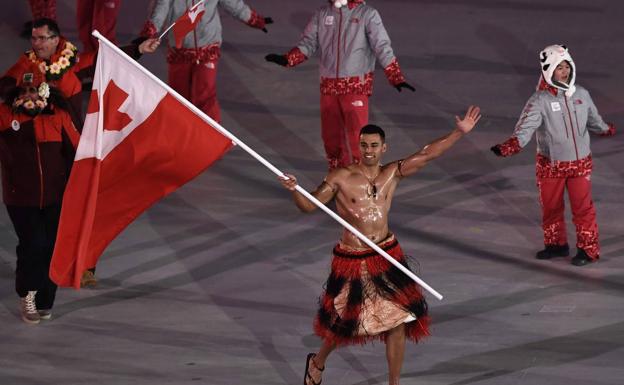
x=329, y=20
x=555, y=106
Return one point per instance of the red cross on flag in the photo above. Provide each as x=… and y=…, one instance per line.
x=139, y=143
x=187, y=22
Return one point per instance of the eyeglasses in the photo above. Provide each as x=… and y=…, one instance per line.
x=42, y=38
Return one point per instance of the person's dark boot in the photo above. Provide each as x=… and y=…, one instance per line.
x=551, y=251
x=581, y=258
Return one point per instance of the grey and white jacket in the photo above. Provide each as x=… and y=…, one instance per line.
x=561, y=124
x=205, y=41
x=350, y=40
x=561, y=114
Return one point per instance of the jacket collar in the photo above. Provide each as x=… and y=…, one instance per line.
x=543, y=86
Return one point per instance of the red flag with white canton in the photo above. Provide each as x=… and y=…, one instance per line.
x=187, y=22
x=139, y=143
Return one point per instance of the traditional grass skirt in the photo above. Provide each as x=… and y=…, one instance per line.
x=366, y=296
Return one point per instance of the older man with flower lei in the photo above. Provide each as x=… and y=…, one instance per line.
x=61, y=64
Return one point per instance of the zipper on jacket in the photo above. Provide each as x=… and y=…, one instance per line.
x=40, y=175
x=338, y=47
x=565, y=124
x=571, y=126
x=578, y=127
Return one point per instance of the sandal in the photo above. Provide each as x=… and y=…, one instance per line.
x=307, y=376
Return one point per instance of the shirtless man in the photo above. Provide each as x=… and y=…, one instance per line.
x=366, y=297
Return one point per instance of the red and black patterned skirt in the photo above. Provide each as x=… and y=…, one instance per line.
x=366, y=296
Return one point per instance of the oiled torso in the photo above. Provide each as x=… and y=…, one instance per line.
x=365, y=203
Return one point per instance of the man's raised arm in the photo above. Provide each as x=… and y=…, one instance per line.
x=415, y=162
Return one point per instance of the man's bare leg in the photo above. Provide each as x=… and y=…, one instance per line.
x=395, y=350
x=323, y=353
x=317, y=363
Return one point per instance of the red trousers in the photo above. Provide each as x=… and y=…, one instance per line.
x=583, y=212
x=342, y=117
x=96, y=14
x=43, y=8
x=198, y=84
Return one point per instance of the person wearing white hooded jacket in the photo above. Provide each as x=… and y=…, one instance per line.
x=561, y=114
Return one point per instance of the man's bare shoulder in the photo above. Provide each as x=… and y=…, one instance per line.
x=392, y=169
x=340, y=176
x=341, y=173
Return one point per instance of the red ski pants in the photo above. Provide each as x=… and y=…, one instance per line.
x=342, y=117
x=198, y=84
x=583, y=212
x=43, y=8
x=96, y=14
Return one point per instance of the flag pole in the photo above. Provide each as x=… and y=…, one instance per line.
x=268, y=165
x=165, y=32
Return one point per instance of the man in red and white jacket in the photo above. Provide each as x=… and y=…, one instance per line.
x=561, y=114
x=350, y=37
x=193, y=67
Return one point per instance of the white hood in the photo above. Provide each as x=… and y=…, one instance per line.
x=550, y=57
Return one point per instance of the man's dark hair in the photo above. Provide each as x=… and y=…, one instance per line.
x=373, y=129
x=52, y=25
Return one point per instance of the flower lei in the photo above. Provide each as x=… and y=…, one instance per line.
x=30, y=107
x=57, y=69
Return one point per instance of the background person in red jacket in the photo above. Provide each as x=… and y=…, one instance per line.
x=37, y=145
x=61, y=63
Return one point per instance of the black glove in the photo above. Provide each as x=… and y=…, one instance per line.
x=404, y=85
x=496, y=150
x=277, y=59
x=267, y=20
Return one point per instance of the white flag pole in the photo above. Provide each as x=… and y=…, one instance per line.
x=162, y=34
x=267, y=164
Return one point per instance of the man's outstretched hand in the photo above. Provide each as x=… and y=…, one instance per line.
x=471, y=118
x=404, y=85
x=277, y=59
x=289, y=181
x=267, y=20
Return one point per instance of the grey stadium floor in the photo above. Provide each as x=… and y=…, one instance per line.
x=218, y=283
